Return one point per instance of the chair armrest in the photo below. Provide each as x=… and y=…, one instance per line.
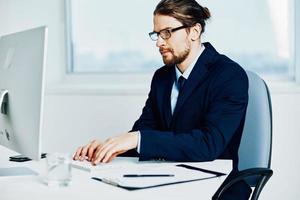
x=264, y=173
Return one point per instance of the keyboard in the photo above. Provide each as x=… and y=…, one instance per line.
x=116, y=163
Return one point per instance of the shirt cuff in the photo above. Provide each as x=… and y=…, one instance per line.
x=139, y=141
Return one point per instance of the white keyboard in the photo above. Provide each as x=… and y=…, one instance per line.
x=116, y=163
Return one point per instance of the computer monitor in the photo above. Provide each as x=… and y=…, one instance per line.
x=22, y=74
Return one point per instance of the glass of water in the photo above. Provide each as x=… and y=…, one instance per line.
x=58, y=169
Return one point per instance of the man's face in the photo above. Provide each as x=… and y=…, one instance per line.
x=175, y=49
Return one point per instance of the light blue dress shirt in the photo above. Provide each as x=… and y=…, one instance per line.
x=185, y=74
x=175, y=91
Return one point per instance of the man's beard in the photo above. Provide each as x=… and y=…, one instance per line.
x=176, y=59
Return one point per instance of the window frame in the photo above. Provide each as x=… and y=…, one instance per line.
x=139, y=82
x=297, y=41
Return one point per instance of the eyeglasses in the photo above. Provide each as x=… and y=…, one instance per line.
x=164, y=34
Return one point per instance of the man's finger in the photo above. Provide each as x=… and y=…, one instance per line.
x=109, y=154
x=77, y=153
x=98, y=150
x=84, y=152
x=102, y=152
x=101, y=147
x=93, y=147
x=115, y=155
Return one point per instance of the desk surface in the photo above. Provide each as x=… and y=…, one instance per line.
x=83, y=187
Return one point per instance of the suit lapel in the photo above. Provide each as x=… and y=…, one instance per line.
x=197, y=76
x=167, y=102
x=164, y=95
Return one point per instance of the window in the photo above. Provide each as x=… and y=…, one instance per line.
x=110, y=37
x=257, y=34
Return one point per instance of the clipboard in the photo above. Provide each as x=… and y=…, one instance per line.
x=183, y=173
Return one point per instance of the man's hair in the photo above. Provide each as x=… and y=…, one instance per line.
x=188, y=12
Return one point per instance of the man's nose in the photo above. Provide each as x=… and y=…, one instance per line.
x=160, y=42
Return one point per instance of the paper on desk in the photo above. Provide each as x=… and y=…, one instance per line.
x=115, y=176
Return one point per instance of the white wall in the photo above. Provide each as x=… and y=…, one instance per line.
x=16, y=15
x=73, y=117
x=73, y=120
x=285, y=182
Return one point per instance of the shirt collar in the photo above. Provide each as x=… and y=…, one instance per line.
x=189, y=69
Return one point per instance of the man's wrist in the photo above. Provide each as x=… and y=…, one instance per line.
x=137, y=136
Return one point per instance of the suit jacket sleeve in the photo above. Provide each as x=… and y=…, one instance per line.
x=225, y=113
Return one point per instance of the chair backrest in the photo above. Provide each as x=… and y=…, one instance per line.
x=256, y=143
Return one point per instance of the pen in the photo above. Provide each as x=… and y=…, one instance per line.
x=147, y=175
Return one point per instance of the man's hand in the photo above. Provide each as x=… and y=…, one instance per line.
x=105, y=152
x=87, y=151
x=115, y=146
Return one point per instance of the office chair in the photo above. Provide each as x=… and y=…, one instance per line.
x=256, y=142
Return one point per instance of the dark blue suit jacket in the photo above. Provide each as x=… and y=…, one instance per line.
x=209, y=116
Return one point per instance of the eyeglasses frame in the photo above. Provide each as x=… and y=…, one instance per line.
x=167, y=30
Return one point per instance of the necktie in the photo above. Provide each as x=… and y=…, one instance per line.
x=180, y=83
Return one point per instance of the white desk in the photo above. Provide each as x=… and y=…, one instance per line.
x=83, y=187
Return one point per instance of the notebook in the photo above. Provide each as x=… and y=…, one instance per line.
x=144, y=176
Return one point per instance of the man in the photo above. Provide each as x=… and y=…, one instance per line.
x=196, y=107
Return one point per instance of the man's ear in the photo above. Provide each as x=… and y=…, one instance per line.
x=195, y=32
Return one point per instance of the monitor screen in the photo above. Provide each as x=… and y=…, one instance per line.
x=22, y=70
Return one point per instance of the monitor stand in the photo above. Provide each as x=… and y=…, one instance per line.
x=16, y=171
